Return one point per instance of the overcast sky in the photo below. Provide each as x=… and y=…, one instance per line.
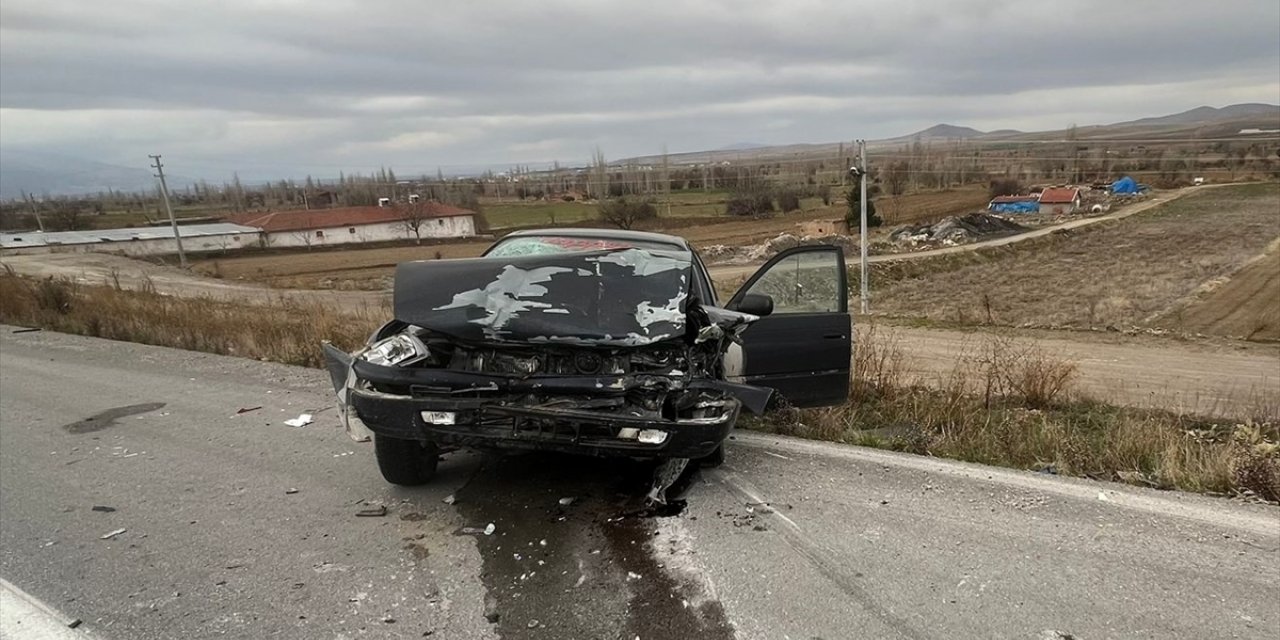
x=286, y=87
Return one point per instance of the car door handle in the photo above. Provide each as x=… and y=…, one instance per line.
x=834, y=336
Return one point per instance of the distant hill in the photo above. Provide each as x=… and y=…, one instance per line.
x=1210, y=114
x=1201, y=122
x=58, y=175
x=946, y=132
x=742, y=146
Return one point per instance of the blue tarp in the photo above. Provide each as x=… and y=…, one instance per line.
x=1022, y=206
x=1124, y=187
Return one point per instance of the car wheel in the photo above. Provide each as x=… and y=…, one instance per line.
x=714, y=459
x=405, y=462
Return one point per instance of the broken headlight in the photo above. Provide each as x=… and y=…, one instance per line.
x=398, y=350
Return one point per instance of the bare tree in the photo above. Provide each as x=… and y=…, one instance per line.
x=896, y=176
x=305, y=237
x=412, y=217
x=625, y=214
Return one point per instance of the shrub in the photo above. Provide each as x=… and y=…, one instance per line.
x=624, y=214
x=788, y=201
x=748, y=203
x=1005, y=187
x=853, y=200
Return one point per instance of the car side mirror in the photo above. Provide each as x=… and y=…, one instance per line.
x=756, y=304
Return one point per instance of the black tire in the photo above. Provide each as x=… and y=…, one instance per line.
x=407, y=463
x=713, y=459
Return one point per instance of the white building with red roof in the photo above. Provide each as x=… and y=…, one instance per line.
x=348, y=225
x=1060, y=200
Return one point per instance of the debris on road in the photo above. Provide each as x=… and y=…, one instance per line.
x=247, y=409
x=26, y=330
x=112, y=534
x=290, y=491
x=376, y=511
x=102, y=509
x=564, y=502
x=300, y=421
x=488, y=531
x=491, y=609
x=665, y=475
x=449, y=499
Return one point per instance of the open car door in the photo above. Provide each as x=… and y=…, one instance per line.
x=801, y=348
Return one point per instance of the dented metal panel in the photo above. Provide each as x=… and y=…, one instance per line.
x=628, y=297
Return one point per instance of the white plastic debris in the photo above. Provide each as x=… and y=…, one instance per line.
x=449, y=499
x=631, y=575
x=488, y=531
x=564, y=502
x=1102, y=495
x=300, y=421
x=111, y=534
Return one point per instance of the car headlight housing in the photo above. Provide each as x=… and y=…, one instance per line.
x=396, y=351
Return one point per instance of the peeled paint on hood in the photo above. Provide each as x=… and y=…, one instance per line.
x=628, y=297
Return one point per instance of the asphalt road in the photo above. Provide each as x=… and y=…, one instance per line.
x=790, y=539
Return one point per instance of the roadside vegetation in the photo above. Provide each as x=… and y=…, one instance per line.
x=1135, y=272
x=1017, y=406
x=1005, y=405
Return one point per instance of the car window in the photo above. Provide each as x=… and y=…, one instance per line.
x=806, y=282
x=542, y=245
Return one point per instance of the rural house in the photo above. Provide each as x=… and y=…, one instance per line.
x=347, y=225
x=1014, y=204
x=1060, y=200
x=136, y=241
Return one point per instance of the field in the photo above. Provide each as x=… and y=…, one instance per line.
x=700, y=218
x=354, y=268
x=1132, y=272
x=1247, y=305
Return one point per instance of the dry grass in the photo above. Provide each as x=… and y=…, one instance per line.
x=1126, y=273
x=340, y=268
x=1003, y=405
x=287, y=332
x=1014, y=406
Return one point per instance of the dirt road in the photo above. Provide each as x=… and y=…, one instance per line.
x=1246, y=306
x=730, y=272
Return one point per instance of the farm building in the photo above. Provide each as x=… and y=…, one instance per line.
x=137, y=241
x=834, y=227
x=1014, y=204
x=1059, y=200
x=324, y=227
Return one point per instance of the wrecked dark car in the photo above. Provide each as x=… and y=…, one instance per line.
x=590, y=341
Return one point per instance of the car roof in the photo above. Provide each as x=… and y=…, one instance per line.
x=606, y=234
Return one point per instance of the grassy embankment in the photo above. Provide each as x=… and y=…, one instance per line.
x=1004, y=405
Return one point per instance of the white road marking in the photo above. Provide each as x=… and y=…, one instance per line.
x=23, y=617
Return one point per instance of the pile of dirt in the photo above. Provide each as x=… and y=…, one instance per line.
x=724, y=254
x=956, y=230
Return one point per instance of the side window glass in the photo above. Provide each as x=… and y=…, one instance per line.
x=807, y=282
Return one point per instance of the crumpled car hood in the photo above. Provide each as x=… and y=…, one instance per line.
x=627, y=297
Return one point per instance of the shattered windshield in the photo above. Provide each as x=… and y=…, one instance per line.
x=545, y=245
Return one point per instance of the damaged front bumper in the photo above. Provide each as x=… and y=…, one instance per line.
x=577, y=414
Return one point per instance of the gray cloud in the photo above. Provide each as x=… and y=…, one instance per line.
x=287, y=87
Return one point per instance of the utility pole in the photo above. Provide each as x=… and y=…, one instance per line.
x=862, y=191
x=34, y=209
x=164, y=190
